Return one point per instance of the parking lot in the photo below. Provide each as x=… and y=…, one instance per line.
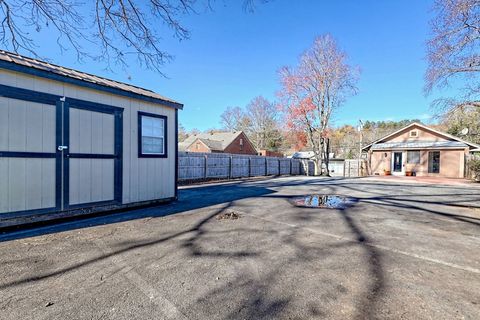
x=400, y=251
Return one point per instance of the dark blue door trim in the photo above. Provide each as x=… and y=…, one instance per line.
x=62, y=135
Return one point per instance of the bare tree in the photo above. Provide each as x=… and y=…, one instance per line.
x=103, y=30
x=453, y=51
x=233, y=119
x=315, y=89
x=263, y=126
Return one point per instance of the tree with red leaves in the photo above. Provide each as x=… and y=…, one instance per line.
x=313, y=90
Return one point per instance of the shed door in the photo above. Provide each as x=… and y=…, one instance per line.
x=57, y=153
x=27, y=156
x=92, y=159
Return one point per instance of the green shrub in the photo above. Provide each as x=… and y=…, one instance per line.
x=474, y=165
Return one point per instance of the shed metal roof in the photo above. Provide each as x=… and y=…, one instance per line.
x=419, y=145
x=16, y=62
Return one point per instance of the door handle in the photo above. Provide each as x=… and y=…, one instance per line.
x=61, y=148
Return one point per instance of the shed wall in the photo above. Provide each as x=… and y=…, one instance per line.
x=143, y=178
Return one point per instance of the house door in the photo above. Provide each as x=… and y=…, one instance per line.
x=434, y=162
x=397, y=162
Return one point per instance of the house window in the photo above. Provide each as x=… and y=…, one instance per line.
x=413, y=133
x=413, y=157
x=152, y=135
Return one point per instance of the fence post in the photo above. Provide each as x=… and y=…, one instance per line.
x=205, y=173
x=266, y=166
x=249, y=166
x=230, y=169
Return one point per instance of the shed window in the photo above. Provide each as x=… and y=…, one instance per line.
x=414, y=133
x=413, y=157
x=152, y=135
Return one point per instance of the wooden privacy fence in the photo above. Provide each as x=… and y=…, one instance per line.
x=205, y=166
x=469, y=174
x=352, y=169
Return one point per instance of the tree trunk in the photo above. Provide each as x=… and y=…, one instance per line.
x=327, y=154
x=318, y=166
x=320, y=147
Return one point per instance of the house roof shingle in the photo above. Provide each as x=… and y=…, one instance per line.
x=9, y=58
x=217, y=141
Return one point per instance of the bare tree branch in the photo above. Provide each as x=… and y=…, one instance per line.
x=110, y=31
x=453, y=51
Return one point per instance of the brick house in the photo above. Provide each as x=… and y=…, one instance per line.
x=419, y=150
x=235, y=142
x=269, y=153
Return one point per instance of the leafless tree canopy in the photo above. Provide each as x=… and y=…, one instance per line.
x=263, y=128
x=104, y=30
x=453, y=50
x=233, y=119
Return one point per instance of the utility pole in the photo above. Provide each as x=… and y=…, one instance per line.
x=360, y=128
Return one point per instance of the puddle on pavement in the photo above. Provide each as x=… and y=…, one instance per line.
x=323, y=201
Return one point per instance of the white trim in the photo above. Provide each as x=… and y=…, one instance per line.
x=424, y=148
x=426, y=128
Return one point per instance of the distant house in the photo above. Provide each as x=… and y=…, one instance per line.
x=235, y=142
x=420, y=150
x=270, y=153
x=310, y=155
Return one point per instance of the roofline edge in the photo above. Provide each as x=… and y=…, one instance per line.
x=12, y=66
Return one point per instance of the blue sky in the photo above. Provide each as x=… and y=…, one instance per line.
x=233, y=56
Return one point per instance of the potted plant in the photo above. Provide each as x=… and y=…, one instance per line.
x=387, y=172
x=409, y=170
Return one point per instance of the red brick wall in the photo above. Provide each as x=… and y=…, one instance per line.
x=268, y=153
x=198, y=146
x=236, y=148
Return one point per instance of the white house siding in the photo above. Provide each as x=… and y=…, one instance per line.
x=143, y=178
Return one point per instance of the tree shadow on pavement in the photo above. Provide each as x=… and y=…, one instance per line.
x=189, y=199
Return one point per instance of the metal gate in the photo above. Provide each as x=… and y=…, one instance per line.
x=57, y=153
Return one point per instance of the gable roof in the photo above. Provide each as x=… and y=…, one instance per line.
x=446, y=135
x=212, y=144
x=15, y=62
x=217, y=141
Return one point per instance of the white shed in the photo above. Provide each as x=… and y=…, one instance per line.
x=72, y=142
